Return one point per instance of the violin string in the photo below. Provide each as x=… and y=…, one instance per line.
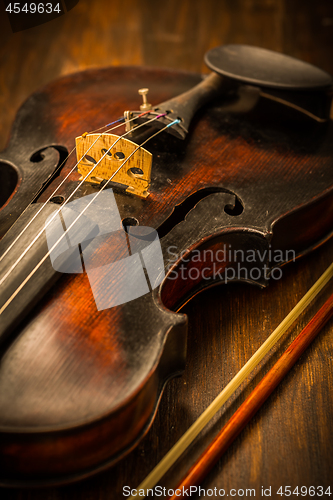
x=70, y=196
x=6, y=304
x=112, y=123
x=55, y=191
x=67, y=176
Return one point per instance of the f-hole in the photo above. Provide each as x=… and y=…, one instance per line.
x=38, y=157
x=180, y=211
x=8, y=182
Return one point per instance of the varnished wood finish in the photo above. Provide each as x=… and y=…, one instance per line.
x=281, y=446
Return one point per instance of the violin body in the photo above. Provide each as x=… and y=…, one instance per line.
x=79, y=387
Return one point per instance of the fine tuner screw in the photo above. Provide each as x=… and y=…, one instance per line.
x=145, y=106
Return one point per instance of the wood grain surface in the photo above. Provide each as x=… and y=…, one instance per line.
x=290, y=441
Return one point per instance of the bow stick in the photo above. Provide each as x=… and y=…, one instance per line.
x=170, y=458
x=253, y=402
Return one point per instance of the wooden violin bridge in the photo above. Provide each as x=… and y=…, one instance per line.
x=108, y=157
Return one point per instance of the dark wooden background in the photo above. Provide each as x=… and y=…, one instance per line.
x=290, y=441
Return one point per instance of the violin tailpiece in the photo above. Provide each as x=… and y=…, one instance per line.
x=100, y=156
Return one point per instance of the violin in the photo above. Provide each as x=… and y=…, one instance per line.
x=226, y=183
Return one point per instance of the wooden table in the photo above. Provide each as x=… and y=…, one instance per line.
x=290, y=441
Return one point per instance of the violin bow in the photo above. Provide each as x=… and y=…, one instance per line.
x=254, y=401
